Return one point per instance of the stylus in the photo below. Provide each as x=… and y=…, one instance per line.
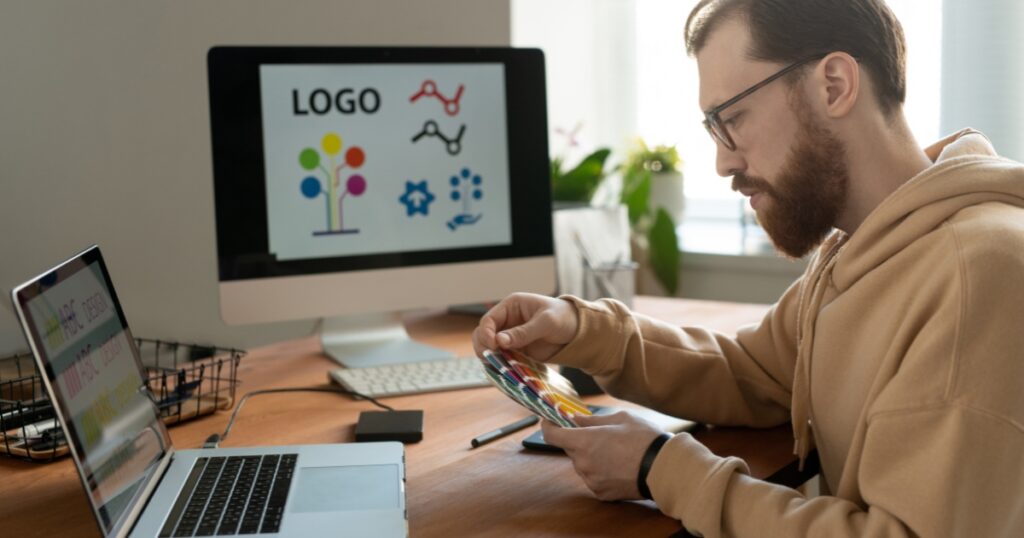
x=503, y=431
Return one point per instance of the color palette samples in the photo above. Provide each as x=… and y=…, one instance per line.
x=535, y=386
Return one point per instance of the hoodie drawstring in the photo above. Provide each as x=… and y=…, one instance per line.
x=807, y=316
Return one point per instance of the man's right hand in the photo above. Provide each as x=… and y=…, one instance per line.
x=538, y=326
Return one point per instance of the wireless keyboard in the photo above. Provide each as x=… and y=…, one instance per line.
x=412, y=377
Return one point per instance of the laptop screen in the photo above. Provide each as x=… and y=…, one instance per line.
x=93, y=371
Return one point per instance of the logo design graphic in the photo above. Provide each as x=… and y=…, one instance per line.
x=466, y=187
x=453, y=145
x=417, y=198
x=312, y=186
x=429, y=89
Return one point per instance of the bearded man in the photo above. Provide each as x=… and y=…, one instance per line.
x=898, y=355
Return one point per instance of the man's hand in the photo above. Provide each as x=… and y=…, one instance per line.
x=606, y=451
x=539, y=326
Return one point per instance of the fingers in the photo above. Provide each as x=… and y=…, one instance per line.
x=497, y=316
x=522, y=319
x=483, y=335
x=504, y=340
x=557, y=435
x=523, y=335
x=507, y=312
x=483, y=338
x=570, y=439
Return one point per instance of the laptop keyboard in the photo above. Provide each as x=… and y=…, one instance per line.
x=232, y=495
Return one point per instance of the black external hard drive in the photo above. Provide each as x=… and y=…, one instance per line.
x=403, y=426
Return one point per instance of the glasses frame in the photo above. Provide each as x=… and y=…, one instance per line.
x=712, y=117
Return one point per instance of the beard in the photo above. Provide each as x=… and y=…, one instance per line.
x=810, y=192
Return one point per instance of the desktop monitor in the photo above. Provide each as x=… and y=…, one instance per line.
x=354, y=183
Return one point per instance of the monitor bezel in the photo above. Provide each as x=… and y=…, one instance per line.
x=236, y=125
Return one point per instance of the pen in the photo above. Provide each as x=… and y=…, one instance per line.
x=503, y=431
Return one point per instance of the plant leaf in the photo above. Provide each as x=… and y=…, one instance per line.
x=579, y=184
x=664, y=251
x=556, y=169
x=636, y=191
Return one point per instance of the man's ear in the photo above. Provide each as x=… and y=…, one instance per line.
x=838, y=83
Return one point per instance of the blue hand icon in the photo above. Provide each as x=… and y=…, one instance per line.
x=463, y=219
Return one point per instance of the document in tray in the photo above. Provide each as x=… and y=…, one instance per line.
x=535, y=386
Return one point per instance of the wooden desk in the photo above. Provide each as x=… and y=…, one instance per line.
x=452, y=490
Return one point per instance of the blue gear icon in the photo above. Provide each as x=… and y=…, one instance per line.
x=417, y=198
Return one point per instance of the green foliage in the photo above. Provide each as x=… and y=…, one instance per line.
x=660, y=158
x=664, y=251
x=579, y=183
x=656, y=226
x=636, y=193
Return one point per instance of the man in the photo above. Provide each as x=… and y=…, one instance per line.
x=898, y=355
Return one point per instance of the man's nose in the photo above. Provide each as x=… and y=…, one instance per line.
x=728, y=162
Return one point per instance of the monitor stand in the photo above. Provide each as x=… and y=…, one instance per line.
x=365, y=340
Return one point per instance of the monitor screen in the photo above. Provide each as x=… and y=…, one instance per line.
x=379, y=159
x=355, y=180
x=81, y=338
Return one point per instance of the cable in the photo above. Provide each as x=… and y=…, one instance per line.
x=213, y=441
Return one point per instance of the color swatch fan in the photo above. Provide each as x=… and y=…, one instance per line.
x=535, y=386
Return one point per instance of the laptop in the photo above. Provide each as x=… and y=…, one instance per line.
x=138, y=484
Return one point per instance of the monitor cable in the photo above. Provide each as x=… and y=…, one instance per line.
x=213, y=441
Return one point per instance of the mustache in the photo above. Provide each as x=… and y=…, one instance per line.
x=743, y=181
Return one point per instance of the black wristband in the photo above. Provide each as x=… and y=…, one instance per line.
x=647, y=461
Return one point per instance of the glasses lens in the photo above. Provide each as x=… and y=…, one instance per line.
x=718, y=132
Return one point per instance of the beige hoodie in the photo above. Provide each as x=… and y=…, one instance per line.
x=899, y=354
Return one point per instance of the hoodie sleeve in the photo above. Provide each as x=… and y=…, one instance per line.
x=931, y=474
x=690, y=372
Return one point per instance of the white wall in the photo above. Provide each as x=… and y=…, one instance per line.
x=589, y=48
x=104, y=136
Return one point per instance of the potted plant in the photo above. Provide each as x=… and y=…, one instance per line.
x=665, y=167
x=652, y=209
x=652, y=190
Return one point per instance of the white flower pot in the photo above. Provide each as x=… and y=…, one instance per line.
x=667, y=193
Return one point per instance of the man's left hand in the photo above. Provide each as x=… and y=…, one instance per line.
x=606, y=451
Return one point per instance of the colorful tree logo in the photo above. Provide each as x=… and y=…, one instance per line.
x=312, y=186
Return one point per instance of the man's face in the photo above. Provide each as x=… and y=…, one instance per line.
x=789, y=163
x=803, y=202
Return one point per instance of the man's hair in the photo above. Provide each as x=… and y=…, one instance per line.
x=786, y=31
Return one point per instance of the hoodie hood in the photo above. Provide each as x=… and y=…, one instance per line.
x=966, y=172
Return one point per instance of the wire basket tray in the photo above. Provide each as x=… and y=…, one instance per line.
x=185, y=381
x=28, y=427
x=189, y=380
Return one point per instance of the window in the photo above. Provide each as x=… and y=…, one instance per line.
x=618, y=69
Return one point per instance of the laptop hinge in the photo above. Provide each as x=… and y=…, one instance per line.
x=132, y=516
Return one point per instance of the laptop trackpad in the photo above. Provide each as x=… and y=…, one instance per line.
x=353, y=487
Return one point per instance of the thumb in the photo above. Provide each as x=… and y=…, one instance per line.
x=584, y=421
x=522, y=335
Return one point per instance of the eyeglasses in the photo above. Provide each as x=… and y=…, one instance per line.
x=713, y=120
